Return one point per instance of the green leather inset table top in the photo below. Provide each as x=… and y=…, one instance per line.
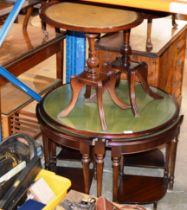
x=89, y=18
x=85, y=117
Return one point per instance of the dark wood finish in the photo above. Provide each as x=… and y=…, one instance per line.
x=141, y=189
x=91, y=77
x=123, y=192
x=99, y=150
x=151, y=159
x=69, y=154
x=69, y=133
x=77, y=179
x=52, y=138
x=93, y=128
x=135, y=70
x=163, y=72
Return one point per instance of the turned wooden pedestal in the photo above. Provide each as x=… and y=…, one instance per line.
x=165, y=61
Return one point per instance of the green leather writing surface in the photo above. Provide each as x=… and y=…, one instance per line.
x=152, y=112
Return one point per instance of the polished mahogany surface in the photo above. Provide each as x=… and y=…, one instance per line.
x=84, y=118
x=81, y=130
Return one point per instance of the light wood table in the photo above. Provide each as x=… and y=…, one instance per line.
x=20, y=52
x=172, y=6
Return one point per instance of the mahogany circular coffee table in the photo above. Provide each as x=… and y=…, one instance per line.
x=81, y=130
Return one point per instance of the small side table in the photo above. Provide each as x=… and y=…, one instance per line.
x=92, y=20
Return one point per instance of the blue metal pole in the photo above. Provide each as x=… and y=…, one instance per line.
x=75, y=54
x=10, y=77
x=10, y=20
x=3, y=33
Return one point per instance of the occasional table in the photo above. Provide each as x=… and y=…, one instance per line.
x=81, y=130
x=93, y=20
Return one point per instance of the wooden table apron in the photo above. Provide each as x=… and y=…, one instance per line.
x=81, y=129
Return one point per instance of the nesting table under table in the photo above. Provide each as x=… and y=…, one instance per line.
x=81, y=130
x=84, y=117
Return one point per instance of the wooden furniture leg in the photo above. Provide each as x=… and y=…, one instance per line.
x=99, y=93
x=85, y=151
x=99, y=152
x=173, y=152
x=139, y=188
x=76, y=87
x=116, y=168
x=52, y=155
x=174, y=23
x=27, y=17
x=46, y=150
x=131, y=77
x=142, y=73
x=149, y=45
x=111, y=84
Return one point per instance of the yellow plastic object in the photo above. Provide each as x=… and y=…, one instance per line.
x=58, y=184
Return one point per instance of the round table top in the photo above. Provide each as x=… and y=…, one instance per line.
x=84, y=118
x=90, y=18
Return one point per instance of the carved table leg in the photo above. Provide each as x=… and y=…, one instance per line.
x=111, y=89
x=99, y=152
x=142, y=73
x=149, y=45
x=52, y=156
x=85, y=151
x=88, y=91
x=49, y=153
x=173, y=152
x=46, y=150
x=99, y=93
x=116, y=167
x=132, y=96
x=27, y=17
x=76, y=86
x=167, y=160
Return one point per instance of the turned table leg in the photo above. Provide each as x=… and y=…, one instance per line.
x=99, y=152
x=116, y=164
x=85, y=151
x=173, y=152
x=49, y=153
x=116, y=167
